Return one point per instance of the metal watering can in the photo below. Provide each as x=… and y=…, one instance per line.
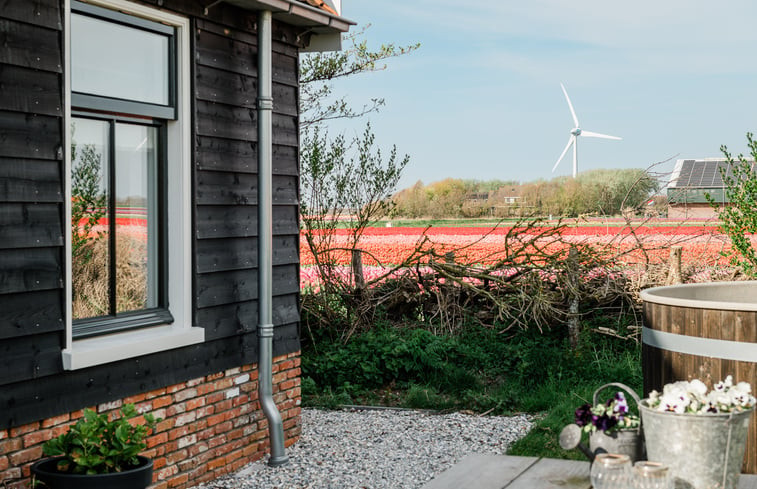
x=628, y=442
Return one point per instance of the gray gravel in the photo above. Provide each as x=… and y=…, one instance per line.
x=378, y=449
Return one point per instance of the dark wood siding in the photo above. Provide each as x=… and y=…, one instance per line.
x=31, y=191
x=33, y=384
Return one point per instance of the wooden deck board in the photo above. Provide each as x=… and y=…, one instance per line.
x=483, y=471
x=507, y=472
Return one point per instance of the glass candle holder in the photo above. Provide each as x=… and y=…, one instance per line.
x=611, y=471
x=651, y=475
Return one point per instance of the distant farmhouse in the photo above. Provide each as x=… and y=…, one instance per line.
x=691, y=181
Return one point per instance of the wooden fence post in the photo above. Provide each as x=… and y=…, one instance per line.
x=574, y=325
x=357, y=268
x=674, y=272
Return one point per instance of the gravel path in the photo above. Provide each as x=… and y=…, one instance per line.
x=383, y=449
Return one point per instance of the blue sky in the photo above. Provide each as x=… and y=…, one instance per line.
x=481, y=98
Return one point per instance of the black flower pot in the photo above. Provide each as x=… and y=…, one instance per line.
x=137, y=478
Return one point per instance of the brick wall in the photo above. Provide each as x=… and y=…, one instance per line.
x=211, y=426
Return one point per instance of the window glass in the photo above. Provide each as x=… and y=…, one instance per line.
x=90, y=240
x=118, y=61
x=136, y=217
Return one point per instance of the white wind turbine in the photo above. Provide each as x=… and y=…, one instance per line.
x=574, y=133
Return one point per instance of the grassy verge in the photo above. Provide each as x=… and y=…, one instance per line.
x=481, y=370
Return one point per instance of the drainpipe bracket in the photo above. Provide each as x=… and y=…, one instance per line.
x=265, y=330
x=265, y=103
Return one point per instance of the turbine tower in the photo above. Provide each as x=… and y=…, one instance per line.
x=574, y=133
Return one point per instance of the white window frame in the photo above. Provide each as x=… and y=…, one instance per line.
x=98, y=350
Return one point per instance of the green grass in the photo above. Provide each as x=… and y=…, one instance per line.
x=480, y=370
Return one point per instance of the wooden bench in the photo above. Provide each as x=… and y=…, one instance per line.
x=504, y=471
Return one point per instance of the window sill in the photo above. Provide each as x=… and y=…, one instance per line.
x=120, y=346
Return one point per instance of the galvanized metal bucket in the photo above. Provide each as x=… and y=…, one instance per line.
x=626, y=442
x=703, y=451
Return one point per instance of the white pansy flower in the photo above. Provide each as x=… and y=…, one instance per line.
x=692, y=397
x=697, y=388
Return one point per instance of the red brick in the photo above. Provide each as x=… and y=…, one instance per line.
x=193, y=404
x=26, y=455
x=178, y=480
x=167, y=472
x=223, y=405
x=24, y=429
x=14, y=473
x=11, y=445
x=217, y=463
x=185, y=394
x=158, y=463
x=215, y=419
x=165, y=425
x=286, y=385
x=109, y=406
x=204, y=389
x=295, y=372
x=235, y=455
x=37, y=437
x=161, y=402
x=235, y=433
x=176, y=457
x=279, y=377
x=196, y=382
x=212, y=377
x=296, y=392
x=232, y=371
x=135, y=399
x=205, y=411
x=215, y=397
x=56, y=420
x=185, y=418
x=297, y=362
x=232, y=413
x=160, y=485
x=216, y=441
x=240, y=400
x=176, y=387
x=198, y=448
x=223, y=427
x=286, y=365
x=155, y=393
x=179, y=432
x=205, y=434
x=4, y=463
x=176, y=408
x=223, y=383
x=238, y=464
x=156, y=439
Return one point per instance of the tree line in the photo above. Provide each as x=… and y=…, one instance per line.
x=596, y=192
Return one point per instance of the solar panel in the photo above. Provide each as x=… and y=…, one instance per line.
x=703, y=173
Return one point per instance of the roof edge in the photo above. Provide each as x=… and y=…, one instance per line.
x=302, y=13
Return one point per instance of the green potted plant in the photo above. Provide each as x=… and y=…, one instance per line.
x=98, y=452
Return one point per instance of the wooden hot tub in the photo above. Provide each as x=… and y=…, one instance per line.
x=702, y=331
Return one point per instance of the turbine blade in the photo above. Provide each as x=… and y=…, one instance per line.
x=573, y=112
x=572, y=140
x=597, y=135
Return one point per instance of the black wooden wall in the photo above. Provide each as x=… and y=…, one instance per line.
x=33, y=384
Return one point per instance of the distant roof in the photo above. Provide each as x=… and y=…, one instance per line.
x=705, y=173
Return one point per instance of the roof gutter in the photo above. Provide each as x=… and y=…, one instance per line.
x=295, y=12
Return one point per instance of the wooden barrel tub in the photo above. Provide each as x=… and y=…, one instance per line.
x=706, y=331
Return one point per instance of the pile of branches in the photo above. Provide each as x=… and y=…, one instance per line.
x=534, y=279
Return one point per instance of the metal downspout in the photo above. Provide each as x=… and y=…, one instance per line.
x=265, y=244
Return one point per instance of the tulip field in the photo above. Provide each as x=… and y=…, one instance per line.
x=703, y=246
